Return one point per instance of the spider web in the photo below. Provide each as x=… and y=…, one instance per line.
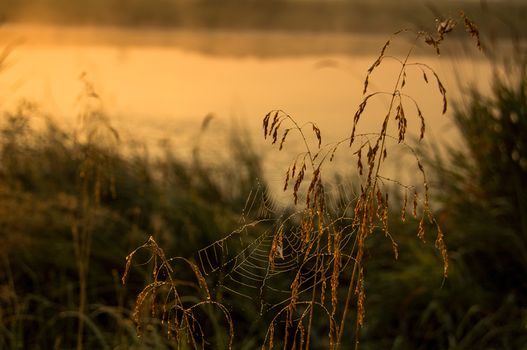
x=240, y=261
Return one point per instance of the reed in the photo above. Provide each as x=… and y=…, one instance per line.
x=74, y=203
x=320, y=252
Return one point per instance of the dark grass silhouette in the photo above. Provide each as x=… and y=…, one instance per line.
x=316, y=254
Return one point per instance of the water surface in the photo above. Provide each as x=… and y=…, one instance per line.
x=158, y=85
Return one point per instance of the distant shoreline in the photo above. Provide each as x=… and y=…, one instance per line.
x=383, y=17
x=268, y=44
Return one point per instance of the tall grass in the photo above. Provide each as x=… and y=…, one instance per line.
x=74, y=203
x=475, y=190
x=490, y=171
x=308, y=269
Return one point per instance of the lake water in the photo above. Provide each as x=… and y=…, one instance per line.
x=160, y=85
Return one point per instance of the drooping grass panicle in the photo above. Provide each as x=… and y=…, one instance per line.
x=319, y=251
x=472, y=29
x=163, y=299
x=371, y=209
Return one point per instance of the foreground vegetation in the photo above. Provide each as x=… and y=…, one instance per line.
x=75, y=203
x=73, y=206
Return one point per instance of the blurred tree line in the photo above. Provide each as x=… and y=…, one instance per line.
x=373, y=16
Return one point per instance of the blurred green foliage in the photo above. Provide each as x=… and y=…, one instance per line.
x=57, y=185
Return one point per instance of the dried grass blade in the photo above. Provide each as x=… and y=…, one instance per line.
x=442, y=90
x=286, y=131
x=266, y=124
x=422, y=119
x=374, y=65
x=316, y=130
x=472, y=29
